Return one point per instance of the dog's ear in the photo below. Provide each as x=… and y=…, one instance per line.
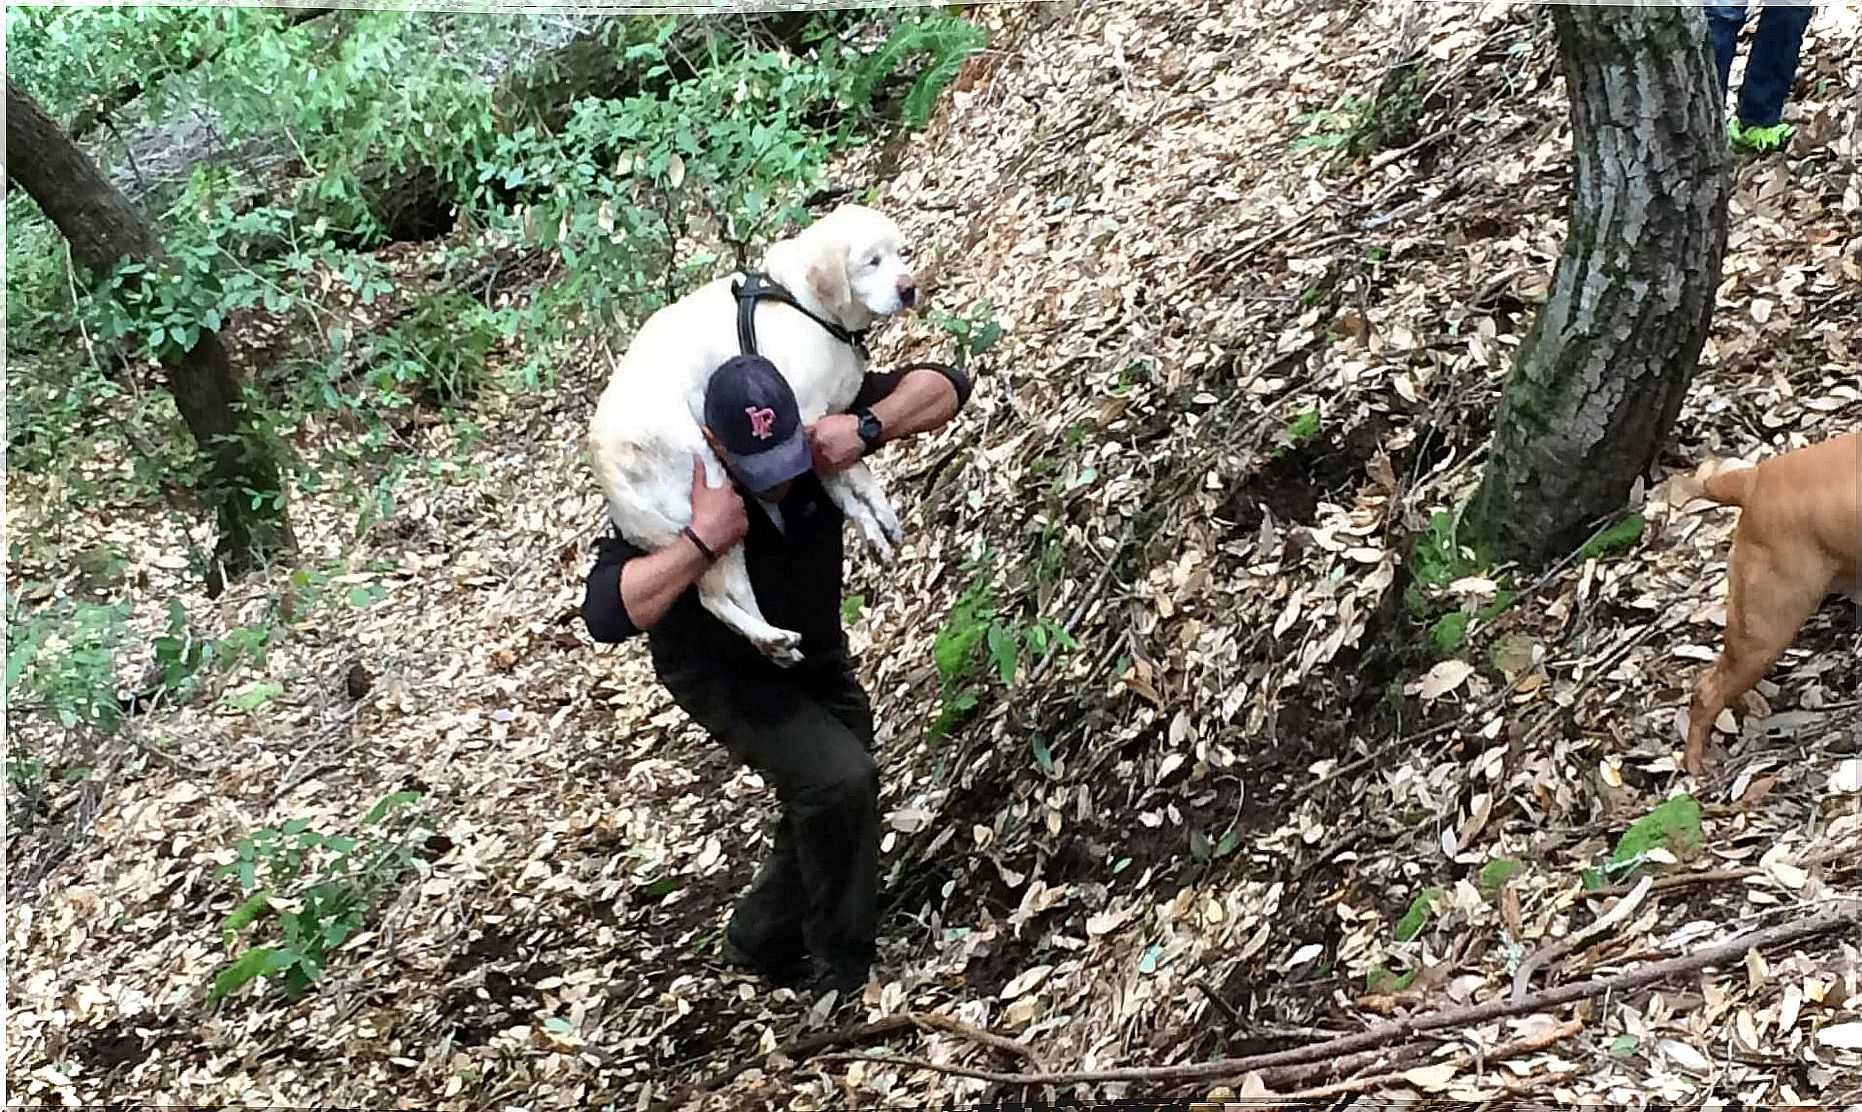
x=827, y=277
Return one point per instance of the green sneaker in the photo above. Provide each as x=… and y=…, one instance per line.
x=1760, y=140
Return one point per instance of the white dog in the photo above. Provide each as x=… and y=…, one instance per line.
x=846, y=270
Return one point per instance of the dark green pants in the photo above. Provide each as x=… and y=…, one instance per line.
x=809, y=731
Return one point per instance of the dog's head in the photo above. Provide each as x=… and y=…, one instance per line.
x=855, y=261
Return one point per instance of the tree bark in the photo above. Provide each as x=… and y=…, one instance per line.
x=1600, y=376
x=103, y=228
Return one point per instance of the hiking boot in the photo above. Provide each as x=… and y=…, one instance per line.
x=780, y=970
x=846, y=980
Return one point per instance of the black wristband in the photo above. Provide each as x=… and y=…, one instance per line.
x=703, y=548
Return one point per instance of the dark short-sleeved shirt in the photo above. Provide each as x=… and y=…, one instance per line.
x=795, y=571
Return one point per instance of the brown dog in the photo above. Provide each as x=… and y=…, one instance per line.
x=1799, y=539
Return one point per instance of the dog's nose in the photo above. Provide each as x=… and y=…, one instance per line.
x=908, y=293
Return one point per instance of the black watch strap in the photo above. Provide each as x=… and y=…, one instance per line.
x=870, y=430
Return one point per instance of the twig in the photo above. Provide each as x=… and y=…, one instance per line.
x=1287, y=1077
x=1337, y=846
x=1608, y=921
x=1073, y=620
x=990, y=1039
x=1257, y=1031
x=1280, y=233
x=812, y=1045
x=1711, y=876
x=1219, y=1004
x=1377, y=1082
x=1392, y=1031
x=293, y=779
x=1275, y=1078
x=1679, y=880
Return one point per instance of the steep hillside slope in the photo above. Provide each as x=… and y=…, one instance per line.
x=1230, y=387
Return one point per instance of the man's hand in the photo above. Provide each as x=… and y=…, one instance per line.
x=835, y=443
x=717, y=512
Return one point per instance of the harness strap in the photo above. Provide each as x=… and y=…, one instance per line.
x=753, y=287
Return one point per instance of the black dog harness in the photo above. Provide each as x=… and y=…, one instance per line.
x=754, y=287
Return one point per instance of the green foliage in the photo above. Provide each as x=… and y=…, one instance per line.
x=1355, y=126
x=61, y=661
x=978, y=642
x=1328, y=128
x=1619, y=536
x=621, y=194
x=253, y=697
x=1417, y=917
x=1437, y=559
x=1381, y=981
x=183, y=655
x=944, y=41
x=1495, y=874
x=975, y=331
x=73, y=65
x=63, y=655
x=163, y=306
x=1205, y=852
x=311, y=891
x=1673, y=825
x=437, y=350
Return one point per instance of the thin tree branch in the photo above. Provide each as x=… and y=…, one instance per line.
x=1399, y=1030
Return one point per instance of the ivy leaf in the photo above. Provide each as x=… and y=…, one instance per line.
x=389, y=803
x=1413, y=920
x=256, y=904
x=257, y=962
x=1003, y=652
x=1199, y=846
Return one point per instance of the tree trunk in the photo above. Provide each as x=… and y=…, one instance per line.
x=1599, y=378
x=103, y=228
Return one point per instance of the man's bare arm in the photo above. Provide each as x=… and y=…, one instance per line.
x=921, y=401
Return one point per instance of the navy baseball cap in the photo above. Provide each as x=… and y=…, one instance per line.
x=750, y=408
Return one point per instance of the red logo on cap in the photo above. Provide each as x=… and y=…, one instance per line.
x=761, y=421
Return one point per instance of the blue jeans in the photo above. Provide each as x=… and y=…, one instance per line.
x=1772, y=65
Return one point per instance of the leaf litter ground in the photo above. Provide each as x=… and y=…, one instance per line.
x=1231, y=386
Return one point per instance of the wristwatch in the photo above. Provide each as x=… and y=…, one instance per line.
x=870, y=429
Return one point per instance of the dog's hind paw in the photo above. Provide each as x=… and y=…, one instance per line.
x=785, y=650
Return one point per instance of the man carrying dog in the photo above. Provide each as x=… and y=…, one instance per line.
x=811, y=914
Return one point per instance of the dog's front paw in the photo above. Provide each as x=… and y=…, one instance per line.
x=1699, y=762
x=875, y=536
x=889, y=523
x=871, y=531
x=785, y=649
